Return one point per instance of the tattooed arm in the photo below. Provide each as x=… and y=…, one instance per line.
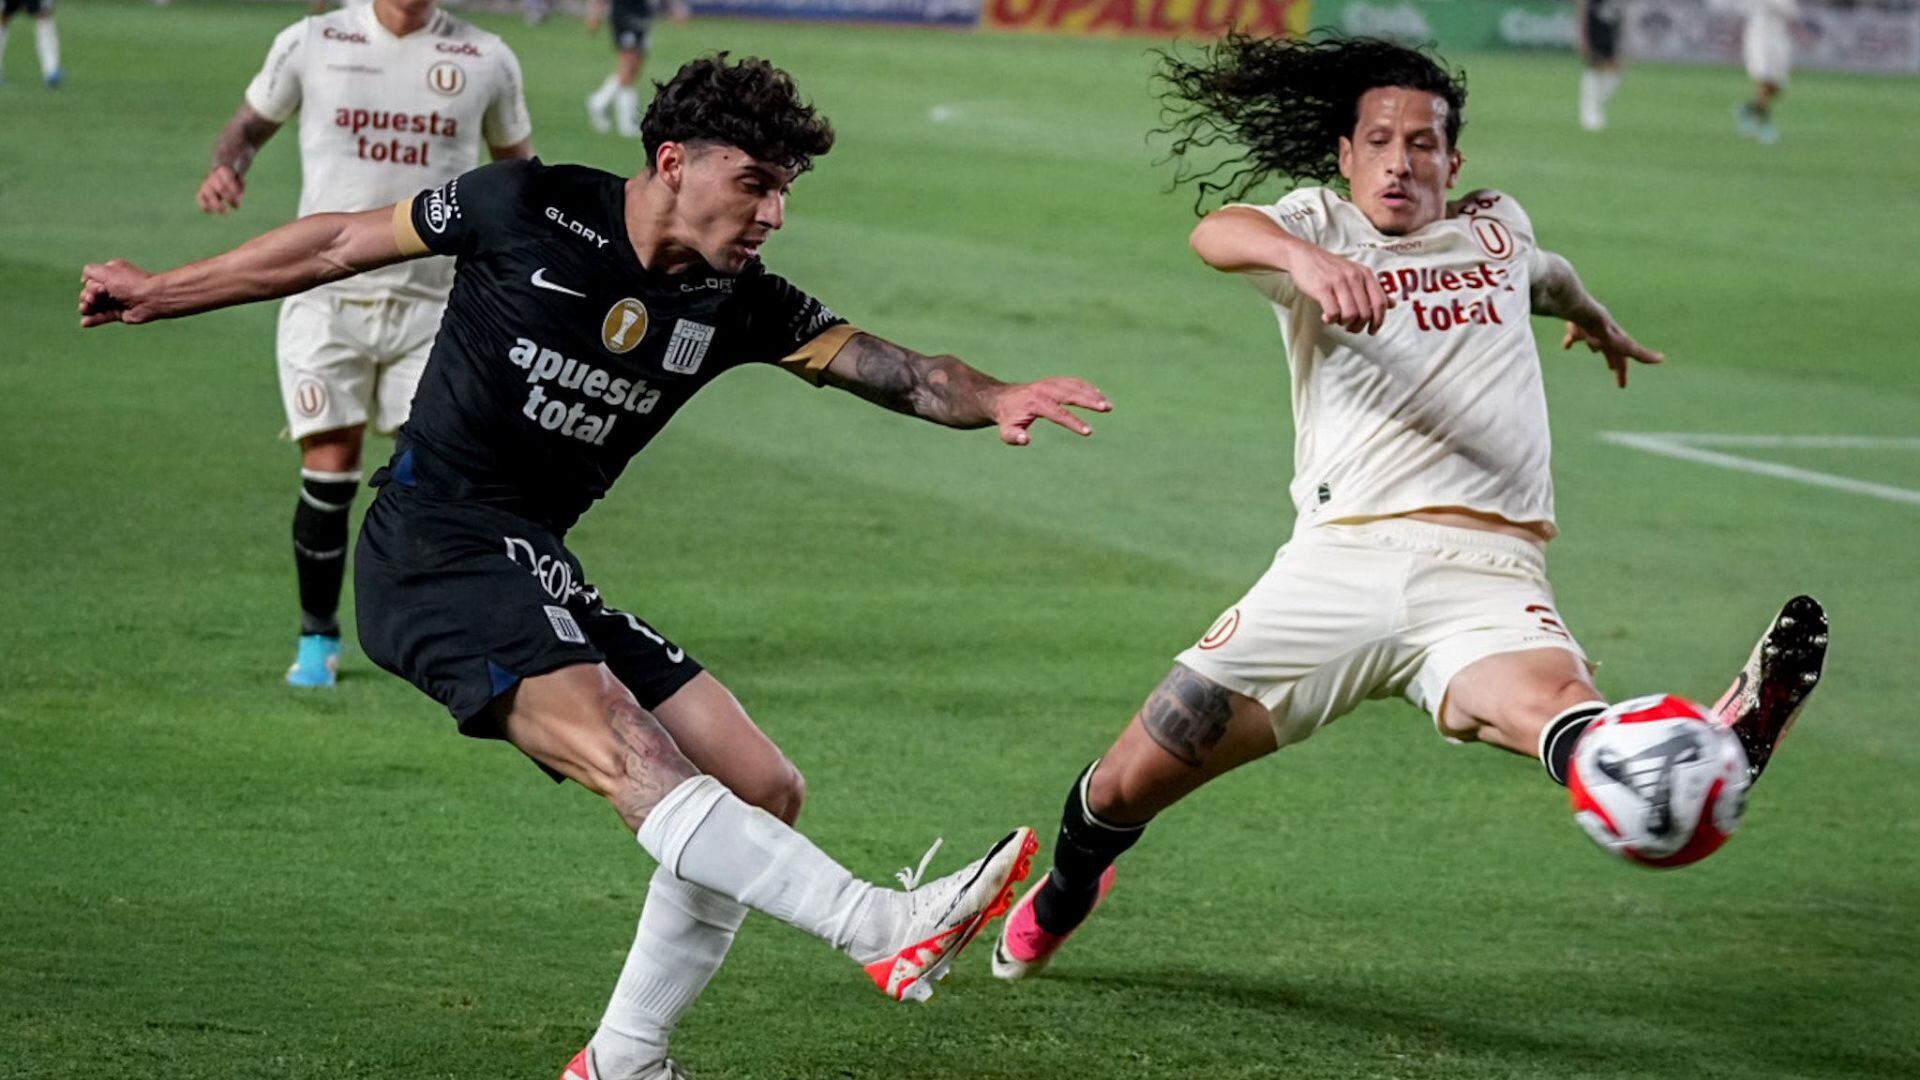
x=945, y=390
x=233, y=154
x=1558, y=292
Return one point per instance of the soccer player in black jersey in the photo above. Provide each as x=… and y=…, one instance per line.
x=586, y=310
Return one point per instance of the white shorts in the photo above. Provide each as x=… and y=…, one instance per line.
x=1767, y=46
x=1351, y=612
x=345, y=362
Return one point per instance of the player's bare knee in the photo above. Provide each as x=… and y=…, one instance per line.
x=779, y=790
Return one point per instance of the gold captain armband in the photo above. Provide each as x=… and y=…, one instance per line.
x=810, y=361
x=405, y=236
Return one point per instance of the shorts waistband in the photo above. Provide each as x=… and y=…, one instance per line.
x=1427, y=536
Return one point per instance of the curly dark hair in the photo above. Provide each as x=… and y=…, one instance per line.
x=750, y=104
x=1285, y=103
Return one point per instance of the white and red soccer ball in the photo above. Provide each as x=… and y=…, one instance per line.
x=1657, y=782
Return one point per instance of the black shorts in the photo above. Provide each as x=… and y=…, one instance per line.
x=1603, y=32
x=632, y=25
x=464, y=600
x=32, y=7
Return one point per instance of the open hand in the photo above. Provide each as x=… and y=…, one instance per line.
x=1607, y=339
x=1017, y=406
x=116, y=291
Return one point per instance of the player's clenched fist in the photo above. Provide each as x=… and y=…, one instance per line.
x=1348, y=294
x=221, y=190
x=1017, y=406
x=115, y=291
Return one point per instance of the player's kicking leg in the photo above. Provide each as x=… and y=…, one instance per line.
x=720, y=855
x=1189, y=731
x=1768, y=694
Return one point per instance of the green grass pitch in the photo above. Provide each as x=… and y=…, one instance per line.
x=205, y=874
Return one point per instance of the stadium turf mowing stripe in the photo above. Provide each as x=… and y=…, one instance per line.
x=202, y=871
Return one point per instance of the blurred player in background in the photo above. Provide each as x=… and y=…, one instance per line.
x=1600, y=48
x=615, y=106
x=1767, y=46
x=1424, y=501
x=392, y=96
x=46, y=37
x=587, y=310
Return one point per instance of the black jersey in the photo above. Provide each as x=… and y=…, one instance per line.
x=560, y=356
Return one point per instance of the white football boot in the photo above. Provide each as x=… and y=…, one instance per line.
x=948, y=913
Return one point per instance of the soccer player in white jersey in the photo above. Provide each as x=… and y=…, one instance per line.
x=1766, y=44
x=393, y=96
x=1417, y=565
x=46, y=36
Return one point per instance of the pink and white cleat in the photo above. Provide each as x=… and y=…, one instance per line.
x=950, y=912
x=1025, y=946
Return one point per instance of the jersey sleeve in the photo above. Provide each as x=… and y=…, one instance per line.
x=1305, y=215
x=789, y=328
x=275, y=92
x=470, y=213
x=507, y=121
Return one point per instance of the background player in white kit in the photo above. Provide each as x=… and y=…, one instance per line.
x=1417, y=565
x=393, y=96
x=1766, y=44
x=615, y=105
x=46, y=36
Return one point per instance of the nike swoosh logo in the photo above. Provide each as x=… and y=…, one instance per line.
x=540, y=282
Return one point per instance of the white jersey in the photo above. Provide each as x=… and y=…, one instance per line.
x=382, y=117
x=1444, y=407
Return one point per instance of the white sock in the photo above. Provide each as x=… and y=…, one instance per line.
x=46, y=41
x=626, y=105
x=602, y=99
x=1593, y=101
x=704, y=834
x=3, y=48
x=684, y=934
x=1609, y=82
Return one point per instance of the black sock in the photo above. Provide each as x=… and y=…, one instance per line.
x=1563, y=731
x=1087, y=846
x=320, y=547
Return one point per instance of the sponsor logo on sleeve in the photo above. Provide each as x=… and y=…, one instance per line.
x=446, y=78
x=687, y=347
x=443, y=206
x=624, y=326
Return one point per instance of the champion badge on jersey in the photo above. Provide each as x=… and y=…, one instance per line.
x=687, y=347
x=624, y=326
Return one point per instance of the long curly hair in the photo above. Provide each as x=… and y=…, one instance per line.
x=1284, y=103
x=749, y=104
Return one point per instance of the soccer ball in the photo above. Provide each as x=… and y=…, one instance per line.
x=1655, y=781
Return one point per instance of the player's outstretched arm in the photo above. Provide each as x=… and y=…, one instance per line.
x=945, y=390
x=292, y=258
x=1236, y=239
x=233, y=154
x=1558, y=293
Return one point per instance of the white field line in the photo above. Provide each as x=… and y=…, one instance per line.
x=1689, y=446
